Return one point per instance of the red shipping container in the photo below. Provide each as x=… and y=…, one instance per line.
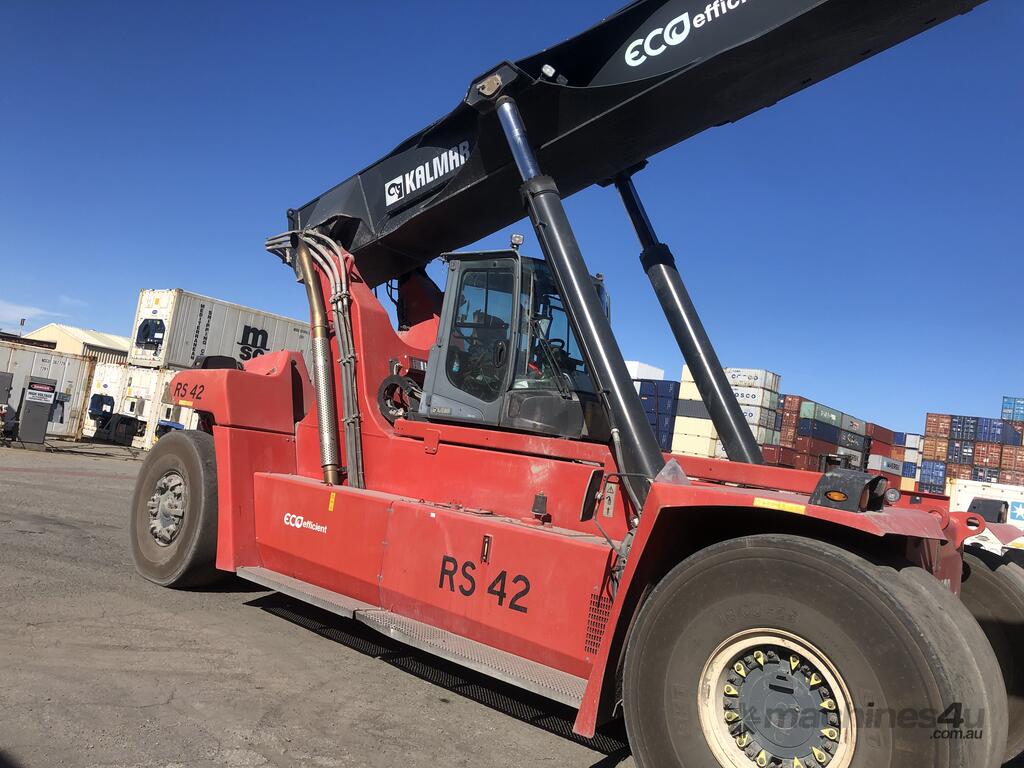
x=1008, y=477
x=805, y=462
x=771, y=454
x=898, y=453
x=792, y=403
x=881, y=434
x=787, y=457
x=988, y=454
x=790, y=419
x=959, y=471
x=787, y=437
x=1012, y=458
x=937, y=424
x=881, y=449
x=813, y=447
x=935, y=448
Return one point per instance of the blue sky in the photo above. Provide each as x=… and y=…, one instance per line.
x=863, y=238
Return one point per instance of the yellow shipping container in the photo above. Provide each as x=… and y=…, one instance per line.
x=696, y=427
x=908, y=484
x=694, y=445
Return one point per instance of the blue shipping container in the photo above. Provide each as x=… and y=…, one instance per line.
x=909, y=469
x=899, y=438
x=667, y=389
x=985, y=475
x=819, y=430
x=933, y=472
x=960, y=452
x=648, y=387
x=930, y=488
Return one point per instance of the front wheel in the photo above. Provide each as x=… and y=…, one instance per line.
x=173, y=526
x=781, y=652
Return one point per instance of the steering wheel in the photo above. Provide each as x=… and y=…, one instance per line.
x=557, y=343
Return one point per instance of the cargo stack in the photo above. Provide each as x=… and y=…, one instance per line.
x=756, y=390
x=659, y=398
x=906, y=448
x=972, y=448
x=812, y=430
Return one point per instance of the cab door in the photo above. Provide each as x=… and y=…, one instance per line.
x=471, y=362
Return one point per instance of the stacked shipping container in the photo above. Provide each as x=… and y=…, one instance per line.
x=1013, y=409
x=659, y=400
x=971, y=448
x=757, y=392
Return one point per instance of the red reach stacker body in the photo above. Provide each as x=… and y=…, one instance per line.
x=480, y=481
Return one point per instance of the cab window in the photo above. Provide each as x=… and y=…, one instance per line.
x=478, y=347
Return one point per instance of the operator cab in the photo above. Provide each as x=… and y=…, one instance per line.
x=506, y=354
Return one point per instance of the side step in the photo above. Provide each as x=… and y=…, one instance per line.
x=515, y=670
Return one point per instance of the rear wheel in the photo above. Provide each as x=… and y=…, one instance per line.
x=174, y=512
x=993, y=591
x=776, y=651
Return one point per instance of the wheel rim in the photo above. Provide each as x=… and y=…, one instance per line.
x=772, y=700
x=167, y=508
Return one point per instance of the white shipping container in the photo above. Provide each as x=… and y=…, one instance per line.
x=692, y=445
x=173, y=327
x=756, y=397
x=143, y=398
x=878, y=463
x=962, y=492
x=71, y=372
x=685, y=425
x=759, y=417
x=638, y=370
x=914, y=441
x=745, y=377
x=107, y=379
x=912, y=455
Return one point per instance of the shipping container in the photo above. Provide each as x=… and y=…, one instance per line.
x=988, y=454
x=935, y=448
x=937, y=425
x=909, y=469
x=693, y=409
x=808, y=463
x=938, y=490
x=790, y=419
x=963, y=428
x=819, y=430
x=108, y=380
x=694, y=445
x=962, y=492
x=813, y=447
x=759, y=417
x=822, y=413
x=856, y=457
x=912, y=455
x=914, y=441
x=686, y=425
x=880, y=448
x=900, y=439
x=144, y=397
x=959, y=471
x=908, y=484
x=744, y=377
x=885, y=464
x=933, y=472
x=881, y=434
x=73, y=374
x=174, y=327
x=985, y=475
x=638, y=370
x=792, y=403
x=1012, y=458
x=898, y=452
x=787, y=436
x=1007, y=477
x=852, y=441
x=850, y=424
x=1013, y=409
x=960, y=452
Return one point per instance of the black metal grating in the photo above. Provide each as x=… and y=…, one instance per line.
x=597, y=619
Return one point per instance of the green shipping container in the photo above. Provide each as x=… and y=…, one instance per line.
x=822, y=413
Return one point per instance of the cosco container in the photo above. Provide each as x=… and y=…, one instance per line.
x=73, y=374
x=174, y=327
x=744, y=377
x=759, y=417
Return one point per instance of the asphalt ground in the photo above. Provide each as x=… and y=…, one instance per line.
x=99, y=667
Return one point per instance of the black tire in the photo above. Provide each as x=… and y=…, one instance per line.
x=961, y=635
x=890, y=648
x=187, y=559
x=993, y=591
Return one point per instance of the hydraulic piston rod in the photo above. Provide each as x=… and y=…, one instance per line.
x=693, y=341
x=641, y=458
